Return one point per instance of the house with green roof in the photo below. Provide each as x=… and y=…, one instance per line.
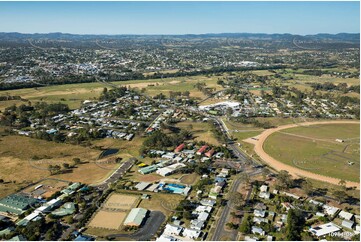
x=71, y=188
x=148, y=169
x=66, y=209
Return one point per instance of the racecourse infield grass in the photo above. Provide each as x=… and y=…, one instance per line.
x=315, y=149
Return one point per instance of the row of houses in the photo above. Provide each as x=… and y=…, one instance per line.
x=341, y=221
x=201, y=213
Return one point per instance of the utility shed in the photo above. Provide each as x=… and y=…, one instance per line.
x=142, y=186
x=135, y=217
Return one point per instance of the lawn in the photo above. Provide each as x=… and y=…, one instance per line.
x=314, y=149
x=190, y=179
x=200, y=130
x=163, y=202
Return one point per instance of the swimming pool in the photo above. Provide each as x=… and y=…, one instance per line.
x=174, y=188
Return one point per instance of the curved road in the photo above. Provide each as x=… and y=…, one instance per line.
x=258, y=148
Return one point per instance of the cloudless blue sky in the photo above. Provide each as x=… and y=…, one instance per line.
x=179, y=17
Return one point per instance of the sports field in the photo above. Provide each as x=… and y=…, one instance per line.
x=120, y=202
x=314, y=148
x=113, y=211
x=108, y=219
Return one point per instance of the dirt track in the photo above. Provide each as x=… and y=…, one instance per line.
x=258, y=148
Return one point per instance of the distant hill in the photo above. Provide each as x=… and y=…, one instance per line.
x=341, y=37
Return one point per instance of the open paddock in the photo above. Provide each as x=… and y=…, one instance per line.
x=201, y=131
x=108, y=219
x=120, y=202
x=30, y=161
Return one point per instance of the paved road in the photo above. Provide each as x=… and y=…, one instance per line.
x=116, y=175
x=227, y=209
x=148, y=230
x=243, y=158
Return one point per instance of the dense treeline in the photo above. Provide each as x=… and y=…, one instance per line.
x=19, y=116
x=113, y=94
x=328, y=86
x=160, y=140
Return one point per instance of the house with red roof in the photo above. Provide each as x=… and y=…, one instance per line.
x=202, y=150
x=179, y=148
x=209, y=153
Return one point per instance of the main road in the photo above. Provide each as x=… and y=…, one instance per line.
x=244, y=159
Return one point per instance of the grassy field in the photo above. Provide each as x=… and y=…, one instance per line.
x=314, y=149
x=325, y=78
x=190, y=179
x=126, y=148
x=162, y=202
x=201, y=131
x=19, y=168
x=74, y=94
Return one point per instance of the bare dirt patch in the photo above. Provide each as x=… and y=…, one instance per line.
x=120, y=202
x=108, y=219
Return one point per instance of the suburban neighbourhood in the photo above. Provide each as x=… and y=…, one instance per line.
x=179, y=121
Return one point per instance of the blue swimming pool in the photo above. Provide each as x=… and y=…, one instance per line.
x=174, y=188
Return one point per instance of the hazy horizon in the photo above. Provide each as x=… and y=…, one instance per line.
x=160, y=34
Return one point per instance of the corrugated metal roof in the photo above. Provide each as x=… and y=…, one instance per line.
x=136, y=216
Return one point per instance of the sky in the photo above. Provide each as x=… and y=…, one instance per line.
x=180, y=17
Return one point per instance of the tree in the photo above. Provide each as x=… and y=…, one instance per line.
x=186, y=93
x=246, y=225
x=342, y=183
x=307, y=187
x=284, y=180
x=229, y=111
x=235, y=198
x=54, y=169
x=187, y=214
x=295, y=224
x=76, y=161
x=341, y=196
